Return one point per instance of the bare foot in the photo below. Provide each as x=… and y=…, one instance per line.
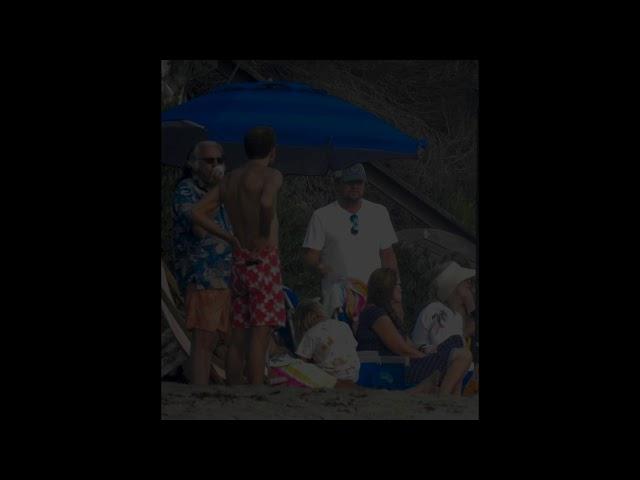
x=428, y=386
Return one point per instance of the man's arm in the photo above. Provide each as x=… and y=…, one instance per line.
x=469, y=327
x=313, y=245
x=388, y=259
x=197, y=230
x=272, y=185
x=201, y=216
x=312, y=259
x=387, y=238
x=183, y=202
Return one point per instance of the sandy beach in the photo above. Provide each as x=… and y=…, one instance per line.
x=215, y=402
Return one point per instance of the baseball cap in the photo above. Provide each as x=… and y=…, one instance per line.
x=350, y=174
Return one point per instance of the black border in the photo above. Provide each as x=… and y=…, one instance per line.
x=123, y=239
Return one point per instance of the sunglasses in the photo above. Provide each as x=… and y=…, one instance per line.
x=354, y=224
x=213, y=160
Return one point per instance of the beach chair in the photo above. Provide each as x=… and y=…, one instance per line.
x=174, y=315
x=287, y=332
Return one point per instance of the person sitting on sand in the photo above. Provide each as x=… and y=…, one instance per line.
x=450, y=316
x=326, y=342
x=380, y=329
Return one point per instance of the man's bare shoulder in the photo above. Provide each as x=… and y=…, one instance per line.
x=273, y=175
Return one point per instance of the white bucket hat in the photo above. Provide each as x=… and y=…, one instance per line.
x=450, y=278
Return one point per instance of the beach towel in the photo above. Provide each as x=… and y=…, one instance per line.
x=293, y=372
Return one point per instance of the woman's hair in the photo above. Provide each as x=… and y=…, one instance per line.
x=307, y=314
x=380, y=292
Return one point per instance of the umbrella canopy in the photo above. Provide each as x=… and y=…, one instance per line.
x=315, y=131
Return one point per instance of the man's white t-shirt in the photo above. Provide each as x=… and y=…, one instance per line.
x=435, y=324
x=348, y=255
x=332, y=347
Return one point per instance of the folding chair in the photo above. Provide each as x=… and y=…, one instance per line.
x=175, y=318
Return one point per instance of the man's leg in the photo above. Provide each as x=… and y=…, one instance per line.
x=202, y=344
x=258, y=345
x=457, y=353
x=460, y=363
x=428, y=386
x=236, y=356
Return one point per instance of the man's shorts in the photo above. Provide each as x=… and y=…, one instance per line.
x=256, y=284
x=209, y=309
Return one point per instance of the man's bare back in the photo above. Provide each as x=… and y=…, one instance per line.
x=249, y=194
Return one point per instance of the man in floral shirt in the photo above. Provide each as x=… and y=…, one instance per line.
x=202, y=261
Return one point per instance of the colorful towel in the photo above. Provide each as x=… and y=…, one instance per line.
x=355, y=297
x=300, y=374
x=349, y=297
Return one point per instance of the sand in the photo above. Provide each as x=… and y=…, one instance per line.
x=216, y=402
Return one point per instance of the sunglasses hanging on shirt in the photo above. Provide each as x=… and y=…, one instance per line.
x=354, y=224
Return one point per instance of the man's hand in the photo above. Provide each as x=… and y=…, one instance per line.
x=388, y=259
x=469, y=327
x=428, y=349
x=324, y=269
x=234, y=242
x=217, y=173
x=312, y=259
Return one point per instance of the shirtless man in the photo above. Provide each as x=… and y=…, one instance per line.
x=249, y=194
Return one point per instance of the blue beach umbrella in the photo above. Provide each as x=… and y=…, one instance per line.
x=316, y=132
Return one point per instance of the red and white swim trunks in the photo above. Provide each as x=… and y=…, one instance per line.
x=256, y=286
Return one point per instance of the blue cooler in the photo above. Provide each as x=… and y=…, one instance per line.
x=369, y=376
x=393, y=372
x=388, y=372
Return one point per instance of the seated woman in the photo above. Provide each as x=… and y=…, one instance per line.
x=380, y=329
x=453, y=286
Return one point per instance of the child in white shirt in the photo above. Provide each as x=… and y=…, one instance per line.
x=326, y=342
x=451, y=316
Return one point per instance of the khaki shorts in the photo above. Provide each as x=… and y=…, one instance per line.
x=208, y=310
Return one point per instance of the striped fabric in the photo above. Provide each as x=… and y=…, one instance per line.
x=421, y=368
